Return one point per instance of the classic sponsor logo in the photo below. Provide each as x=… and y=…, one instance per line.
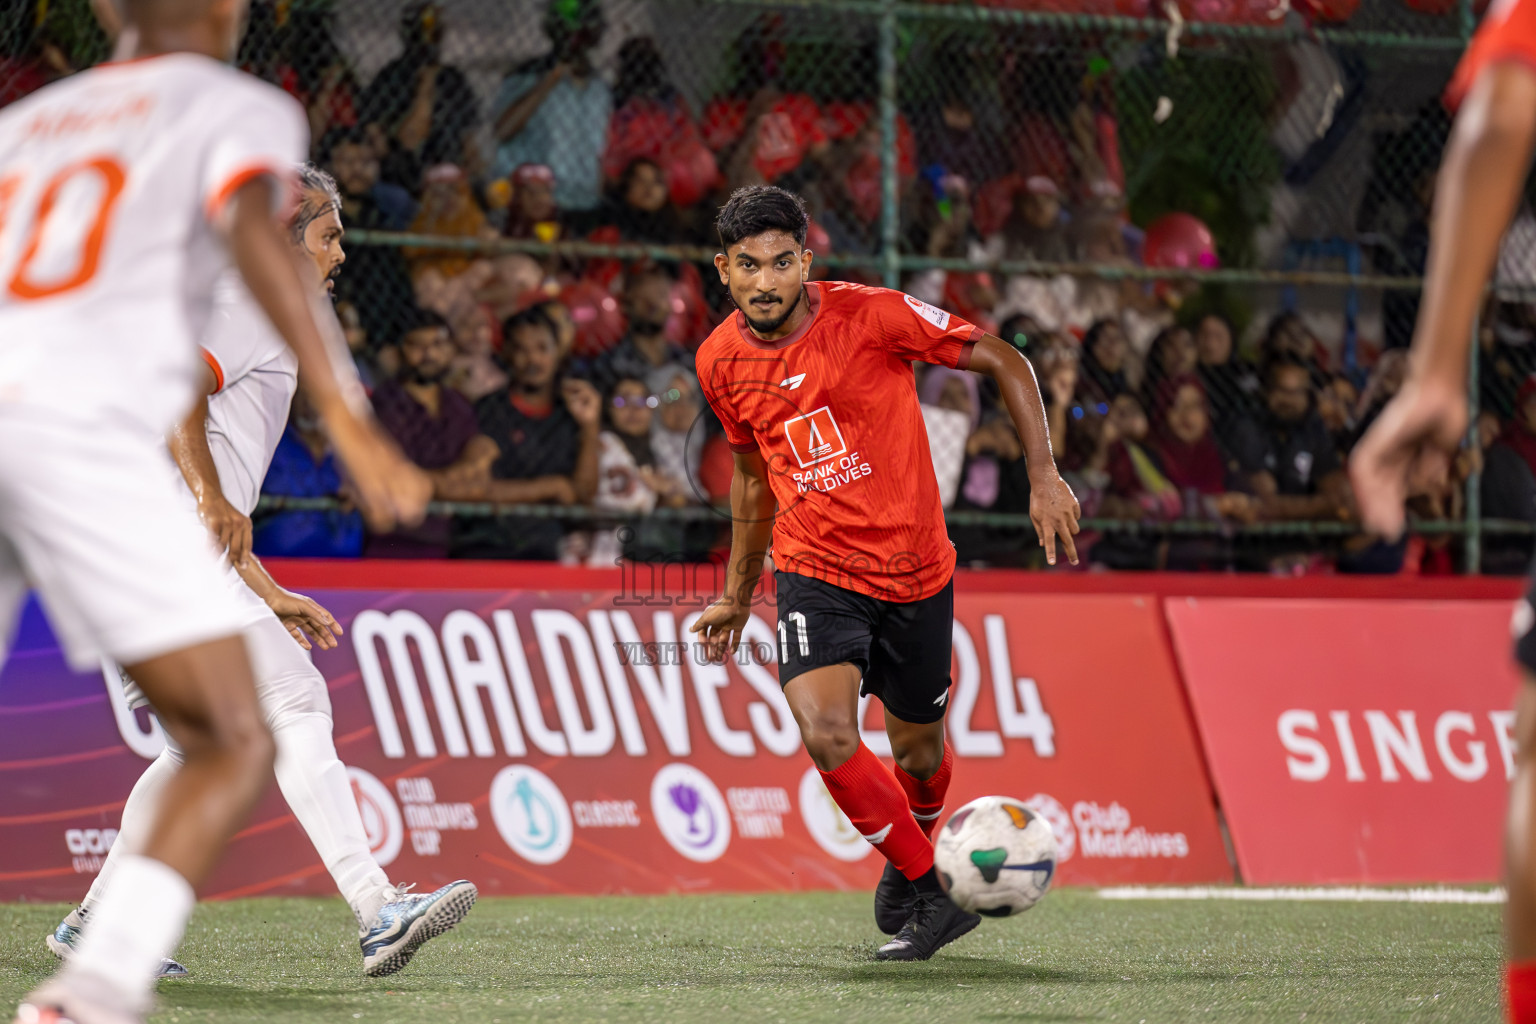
x=815, y=437
x=759, y=811
x=381, y=818
x=690, y=812
x=1100, y=831
x=606, y=814
x=427, y=820
x=531, y=814
x=1398, y=744
x=826, y=822
x=88, y=848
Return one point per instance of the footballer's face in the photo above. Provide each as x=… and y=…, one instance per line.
x=766, y=275
x=322, y=243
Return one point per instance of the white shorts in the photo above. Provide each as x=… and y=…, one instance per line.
x=287, y=682
x=90, y=517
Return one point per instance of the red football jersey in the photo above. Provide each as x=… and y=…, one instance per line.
x=1507, y=32
x=833, y=409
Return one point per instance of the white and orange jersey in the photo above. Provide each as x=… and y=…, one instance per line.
x=256, y=374
x=112, y=184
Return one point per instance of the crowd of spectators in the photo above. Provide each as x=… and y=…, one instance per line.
x=536, y=379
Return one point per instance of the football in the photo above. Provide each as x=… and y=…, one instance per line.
x=995, y=856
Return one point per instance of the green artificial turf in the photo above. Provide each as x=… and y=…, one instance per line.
x=808, y=957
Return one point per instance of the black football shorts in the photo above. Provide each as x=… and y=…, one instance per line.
x=901, y=649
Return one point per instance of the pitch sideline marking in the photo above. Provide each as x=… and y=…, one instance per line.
x=1319, y=895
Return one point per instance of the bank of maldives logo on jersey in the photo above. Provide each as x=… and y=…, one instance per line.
x=815, y=437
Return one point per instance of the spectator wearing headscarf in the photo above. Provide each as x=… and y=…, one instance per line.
x=1106, y=356
x=1190, y=456
x=1231, y=386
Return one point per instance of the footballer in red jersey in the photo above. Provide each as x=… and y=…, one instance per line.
x=1481, y=178
x=813, y=383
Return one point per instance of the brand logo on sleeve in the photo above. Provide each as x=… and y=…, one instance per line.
x=933, y=314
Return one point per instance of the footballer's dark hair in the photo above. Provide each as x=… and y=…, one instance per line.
x=757, y=208
x=318, y=196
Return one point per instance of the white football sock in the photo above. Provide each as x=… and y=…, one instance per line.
x=138, y=818
x=133, y=927
x=318, y=791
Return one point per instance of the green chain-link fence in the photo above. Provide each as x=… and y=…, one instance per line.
x=1191, y=213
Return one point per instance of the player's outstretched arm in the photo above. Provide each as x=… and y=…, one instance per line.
x=390, y=489
x=1052, y=505
x=1480, y=179
x=189, y=450
x=752, y=511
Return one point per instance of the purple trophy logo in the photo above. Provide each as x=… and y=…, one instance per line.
x=687, y=800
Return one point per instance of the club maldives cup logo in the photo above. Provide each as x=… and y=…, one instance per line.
x=690, y=812
x=381, y=816
x=531, y=814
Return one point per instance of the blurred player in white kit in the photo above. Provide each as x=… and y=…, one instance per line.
x=125, y=192
x=223, y=450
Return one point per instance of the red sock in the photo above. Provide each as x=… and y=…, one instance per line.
x=867, y=792
x=926, y=796
x=1520, y=992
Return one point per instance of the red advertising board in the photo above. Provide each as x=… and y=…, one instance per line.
x=563, y=741
x=1354, y=741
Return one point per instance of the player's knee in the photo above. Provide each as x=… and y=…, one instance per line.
x=251, y=742
x=300, y=699
x=920, y=756
x=242, y=736
x=830, y=741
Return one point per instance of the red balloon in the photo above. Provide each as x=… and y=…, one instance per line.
x=816, y=239
x=992, y=203
x=604, y=272
x=1179, y=241
x=691, y=172
x=599, y=323
x=689, y=322
x=1332, y=11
